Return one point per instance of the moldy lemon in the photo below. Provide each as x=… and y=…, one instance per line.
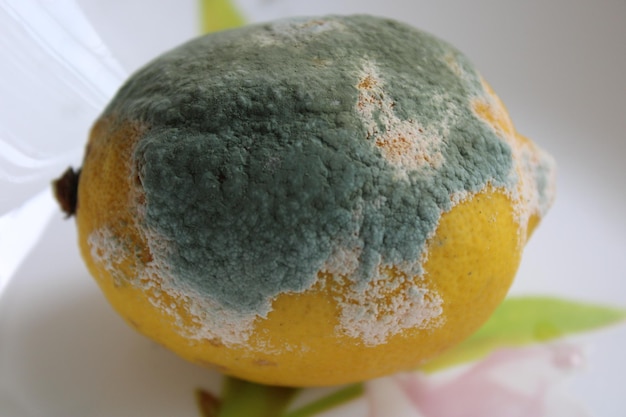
x=309, y=201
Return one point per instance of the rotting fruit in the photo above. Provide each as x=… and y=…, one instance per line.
x=307, y=202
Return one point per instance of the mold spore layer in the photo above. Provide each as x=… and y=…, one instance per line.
x=278, y=151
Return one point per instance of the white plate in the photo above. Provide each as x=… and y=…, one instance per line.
x=558, y=66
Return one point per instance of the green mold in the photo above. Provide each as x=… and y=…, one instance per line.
x=257, y=164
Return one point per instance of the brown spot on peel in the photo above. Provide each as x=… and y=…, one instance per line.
x=66, y=191
x=367, y=83
x=264, y=362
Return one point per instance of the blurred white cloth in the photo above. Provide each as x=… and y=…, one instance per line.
x=56, y=77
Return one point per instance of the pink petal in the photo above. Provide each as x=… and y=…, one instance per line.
x=509, y=383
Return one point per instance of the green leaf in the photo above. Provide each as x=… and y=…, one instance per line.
x=520, y=321
x=218, y=15
x=243, y=398
x=333, y=400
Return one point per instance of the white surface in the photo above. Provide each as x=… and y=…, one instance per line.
x=559, y=66
x=64, y=352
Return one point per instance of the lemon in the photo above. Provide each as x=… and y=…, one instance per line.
x=308, y=202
